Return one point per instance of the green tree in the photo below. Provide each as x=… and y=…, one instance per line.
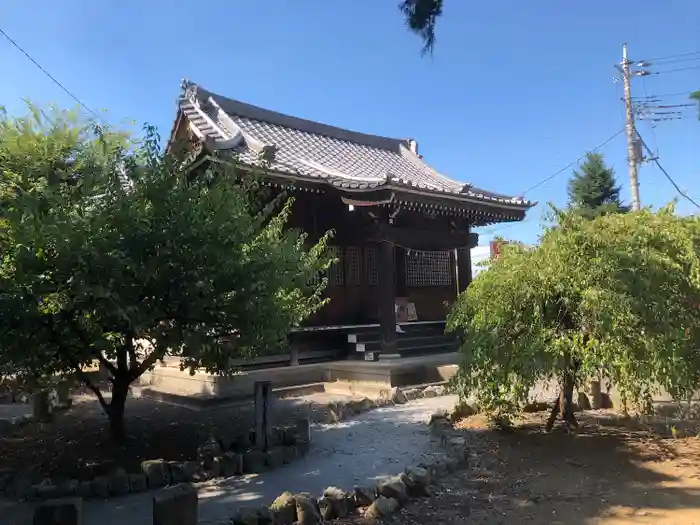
x=115, y=253
x=696, y=96
x=593, y=190
x=616, y=297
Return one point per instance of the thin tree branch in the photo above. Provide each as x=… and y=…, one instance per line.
x=61, y=350
x=86, y=342
x=86, y=381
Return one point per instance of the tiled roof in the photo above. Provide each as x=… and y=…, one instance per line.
x=343, y=158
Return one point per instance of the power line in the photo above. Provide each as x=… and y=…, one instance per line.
x=693, y=59
x=65, y=89
x=550, y=177
x=547, y=179
x=675, y=56
x=674, y=70
x=658, y=164
x=681, y=94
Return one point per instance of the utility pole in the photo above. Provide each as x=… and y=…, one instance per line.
x=632, y=149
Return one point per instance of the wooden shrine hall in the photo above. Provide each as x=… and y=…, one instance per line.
x=403, y=231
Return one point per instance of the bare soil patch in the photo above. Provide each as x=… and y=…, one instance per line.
x=76, y=443
x=611, y=472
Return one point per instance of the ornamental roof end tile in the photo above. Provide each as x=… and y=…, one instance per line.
x=311, y=149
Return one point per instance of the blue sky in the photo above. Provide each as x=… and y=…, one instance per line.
x=514, y=91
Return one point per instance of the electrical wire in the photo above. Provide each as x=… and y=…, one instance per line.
x=674, y=70
x=658, y=164
x=652, y=126
x=573, y=163
x=55, y=81
x=674, y=56
x=693, y=59
x=682, y=94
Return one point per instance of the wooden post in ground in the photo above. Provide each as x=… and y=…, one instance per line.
x=596, y=395
x=263, y=417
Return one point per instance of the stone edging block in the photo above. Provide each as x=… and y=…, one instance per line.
x=343, y=410
x=214, y=460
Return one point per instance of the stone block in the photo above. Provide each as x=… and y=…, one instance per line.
x=253, y=461
x=176, y=505
x=397, y=396
x=364, y=496
x=208, y=450
x=393, y=488
x=46, y=489
x=276, y=437
x=99, y=487
x=339, y=501
x=157, y=473
x=307, y=511
x=461, y=410
x=413, y=393
x=289, y=435
x=458, y=449
x=232, y=464
x=194, y=471
x=382, y=507
x=303, y=448
x=177, y=472
x=284, y=510
x=336, y=412
x=68, y=511
x=216, y=467
x=583, y=401
x=439, y=417
x=418, y=477
x=303, y=429
x=137, y=483
x=274, y=458
x=68, y=488
x=119, y=483
x=289, y=454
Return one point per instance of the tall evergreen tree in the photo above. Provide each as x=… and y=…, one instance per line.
x=593, y=190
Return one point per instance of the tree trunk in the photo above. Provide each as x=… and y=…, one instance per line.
x=115, y=411
x=564, y=404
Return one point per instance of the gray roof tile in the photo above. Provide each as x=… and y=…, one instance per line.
x=310, y=149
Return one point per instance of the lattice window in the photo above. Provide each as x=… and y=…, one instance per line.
x=428, y=269
x=371, y=265
x=336, y=275
x=353, y=270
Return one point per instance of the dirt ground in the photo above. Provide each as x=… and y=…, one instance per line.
x=76, y=443
x=608, y=473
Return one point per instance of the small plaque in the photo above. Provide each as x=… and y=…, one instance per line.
x=352, y=338
x=360, y=347
x=369, y=356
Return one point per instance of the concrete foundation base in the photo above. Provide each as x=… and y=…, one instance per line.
x=351, y=377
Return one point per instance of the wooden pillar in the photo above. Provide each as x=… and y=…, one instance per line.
x=387, y=296
x=464, y=268
x=400, y=278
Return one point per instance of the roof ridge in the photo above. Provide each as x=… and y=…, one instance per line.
x=245, y=110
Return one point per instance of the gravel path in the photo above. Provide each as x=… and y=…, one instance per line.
x=378, y=443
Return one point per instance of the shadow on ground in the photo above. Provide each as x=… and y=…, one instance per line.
x=356, y=452
x=605, y=474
